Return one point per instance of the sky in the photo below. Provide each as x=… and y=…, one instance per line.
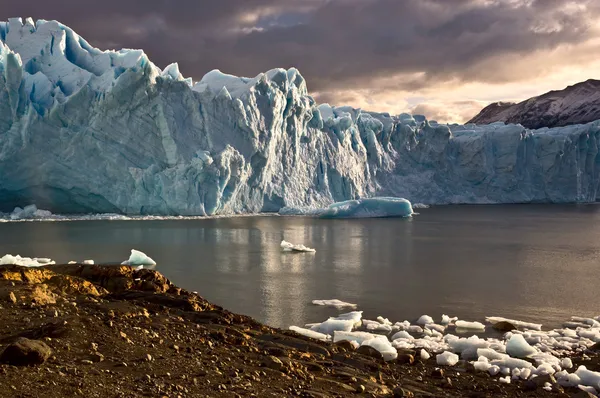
x=446, y=59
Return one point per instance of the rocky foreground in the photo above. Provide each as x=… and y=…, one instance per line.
x=112, y=331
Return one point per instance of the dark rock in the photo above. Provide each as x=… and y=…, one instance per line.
x=370, y=352
x=504, y=326
x=437, y=373
x=25, y=352
x=541, y=381
x=275, y=363
x=530, y=385
x=407, y=359
x=595, y=347
x=583, y=394
x=345, y=345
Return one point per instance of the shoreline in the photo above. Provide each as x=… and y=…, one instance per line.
x=116, y=331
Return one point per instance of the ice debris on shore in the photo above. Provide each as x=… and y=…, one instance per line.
x=25, y=261
x=376, y=207
x=290, y=247
x=524, y=353
x=334, y=303
x=138, y=258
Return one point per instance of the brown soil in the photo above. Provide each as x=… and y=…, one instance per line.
x=117, y=332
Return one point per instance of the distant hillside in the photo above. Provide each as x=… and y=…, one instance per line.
x=579, y=103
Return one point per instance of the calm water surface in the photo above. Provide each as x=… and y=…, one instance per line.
x=537, y=263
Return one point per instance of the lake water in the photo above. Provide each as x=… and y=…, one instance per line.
x=538, y=263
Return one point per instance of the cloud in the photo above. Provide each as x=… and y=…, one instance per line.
x=371, y=53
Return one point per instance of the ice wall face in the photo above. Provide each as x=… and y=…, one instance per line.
x=84, y=130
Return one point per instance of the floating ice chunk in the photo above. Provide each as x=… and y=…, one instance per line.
x=420, y=206
x=334, y=303
x=359, y=337
x=519, y=348
x=511, y=363
x=369, y=207
x=424, y=355
x=566, y=363
x=547, y=386
x=378, y=327
x=332, y=325
x=29, y=212
x=355, y=316
x=490, y=354
x=404, y=325
x=519, y=324
x=569, y=380
x=415, y=329
x=290, y=247
x=481, y=366
x=25, y=261
x=72, y=262
x=88, y=262
x=446, y=359
x=588, y=377
x=494, y=370
x=505, y=379
x=436, y=327
x=138, y=258
x=384, y=321
x=469, y=325
x=424, y=320
x=310, y=333
x=446, y=320
x=383, y=346
x=525, y=373
x=466, y=347
x=403, y=334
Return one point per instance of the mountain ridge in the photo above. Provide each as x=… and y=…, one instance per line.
x=576, y=104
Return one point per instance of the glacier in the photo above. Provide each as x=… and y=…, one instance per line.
x=90, y=131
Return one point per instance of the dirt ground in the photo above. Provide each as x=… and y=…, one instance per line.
x=112, y=331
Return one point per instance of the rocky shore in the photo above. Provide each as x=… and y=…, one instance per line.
x=112, y=331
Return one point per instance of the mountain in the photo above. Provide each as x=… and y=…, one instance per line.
x=576, y=104
x=84, y=130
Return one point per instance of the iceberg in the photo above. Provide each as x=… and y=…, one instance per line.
x=290, y=247
x=89, y=131
x=25, y=261
x=360, y=208
x=138, y=258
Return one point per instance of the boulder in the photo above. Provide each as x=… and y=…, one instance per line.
x=25, y=352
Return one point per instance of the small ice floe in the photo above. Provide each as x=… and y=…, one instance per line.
x=424, y=320
x=424, y=355
x=446, y=320
x=446, y=359
x=88, y=262
x=72, y=262
x=25, y=261
x=518, y=347
x=464, y=325
x=420, y=206
x=138, y=258
x=290, y=247
x=310, y=333
x=519, y=324
x=334, y=303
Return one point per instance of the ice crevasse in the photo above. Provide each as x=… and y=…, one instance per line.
x=85, y=130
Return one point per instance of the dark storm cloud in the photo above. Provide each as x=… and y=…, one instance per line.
x=334, y=43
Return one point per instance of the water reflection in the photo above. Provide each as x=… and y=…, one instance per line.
x=531, y=262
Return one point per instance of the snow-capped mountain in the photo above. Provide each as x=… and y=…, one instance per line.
x=84, y=130
x=576, y=104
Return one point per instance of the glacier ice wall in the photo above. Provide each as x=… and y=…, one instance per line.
x=84, y=130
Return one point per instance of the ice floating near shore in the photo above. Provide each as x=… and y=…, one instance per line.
x=138, y=258
x=310, y=333
x=518, y=324
x=290, y=247
x=469, y=325
x=25, y=261
x=29, y=212
x=361, y=208
x=334, y=303
x=518, y=355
